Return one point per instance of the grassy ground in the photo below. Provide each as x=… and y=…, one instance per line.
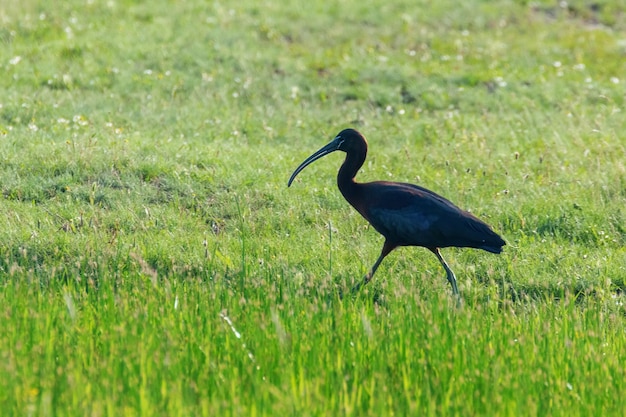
x=153, y=261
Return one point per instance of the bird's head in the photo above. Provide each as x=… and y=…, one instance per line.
x=348, y=140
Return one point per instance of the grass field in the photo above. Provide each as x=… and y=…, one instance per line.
x=154, y=263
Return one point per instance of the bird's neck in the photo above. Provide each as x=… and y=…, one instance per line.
x=345, y=178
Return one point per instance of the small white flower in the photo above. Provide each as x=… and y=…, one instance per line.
x=15, y=60
x=80, y=120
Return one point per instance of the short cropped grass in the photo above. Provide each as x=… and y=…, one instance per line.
x=153, y=261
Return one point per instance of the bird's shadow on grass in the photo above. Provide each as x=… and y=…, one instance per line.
x=510, y=293
x=343, y=293
x=506, y=294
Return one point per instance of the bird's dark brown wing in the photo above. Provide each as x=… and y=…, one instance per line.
x=407, y=214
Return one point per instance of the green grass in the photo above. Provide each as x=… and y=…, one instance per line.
x=153, y=261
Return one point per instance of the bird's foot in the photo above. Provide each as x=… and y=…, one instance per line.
x=340, y=292
x=356, y=289
x=458, y=301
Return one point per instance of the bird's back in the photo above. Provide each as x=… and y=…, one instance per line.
x=410, y=215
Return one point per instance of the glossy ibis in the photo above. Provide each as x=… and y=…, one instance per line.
x=405, y=214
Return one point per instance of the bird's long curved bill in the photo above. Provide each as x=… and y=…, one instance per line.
x=331, y=147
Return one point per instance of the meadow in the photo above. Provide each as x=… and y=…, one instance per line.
x=153, y=261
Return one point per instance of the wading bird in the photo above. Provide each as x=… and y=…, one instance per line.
x=405, y=214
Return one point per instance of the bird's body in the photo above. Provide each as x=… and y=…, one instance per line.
x=409, y=215
x=405, y=214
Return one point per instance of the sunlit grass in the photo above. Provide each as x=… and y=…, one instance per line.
x=153, y=261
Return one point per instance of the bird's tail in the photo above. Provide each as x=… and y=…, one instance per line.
x=489, y=240
x=493, y=249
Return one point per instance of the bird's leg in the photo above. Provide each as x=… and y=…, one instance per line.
x=449, y=273
x=367, y=278
x=387, y=247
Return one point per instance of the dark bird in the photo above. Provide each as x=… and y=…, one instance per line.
x=405, y=214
